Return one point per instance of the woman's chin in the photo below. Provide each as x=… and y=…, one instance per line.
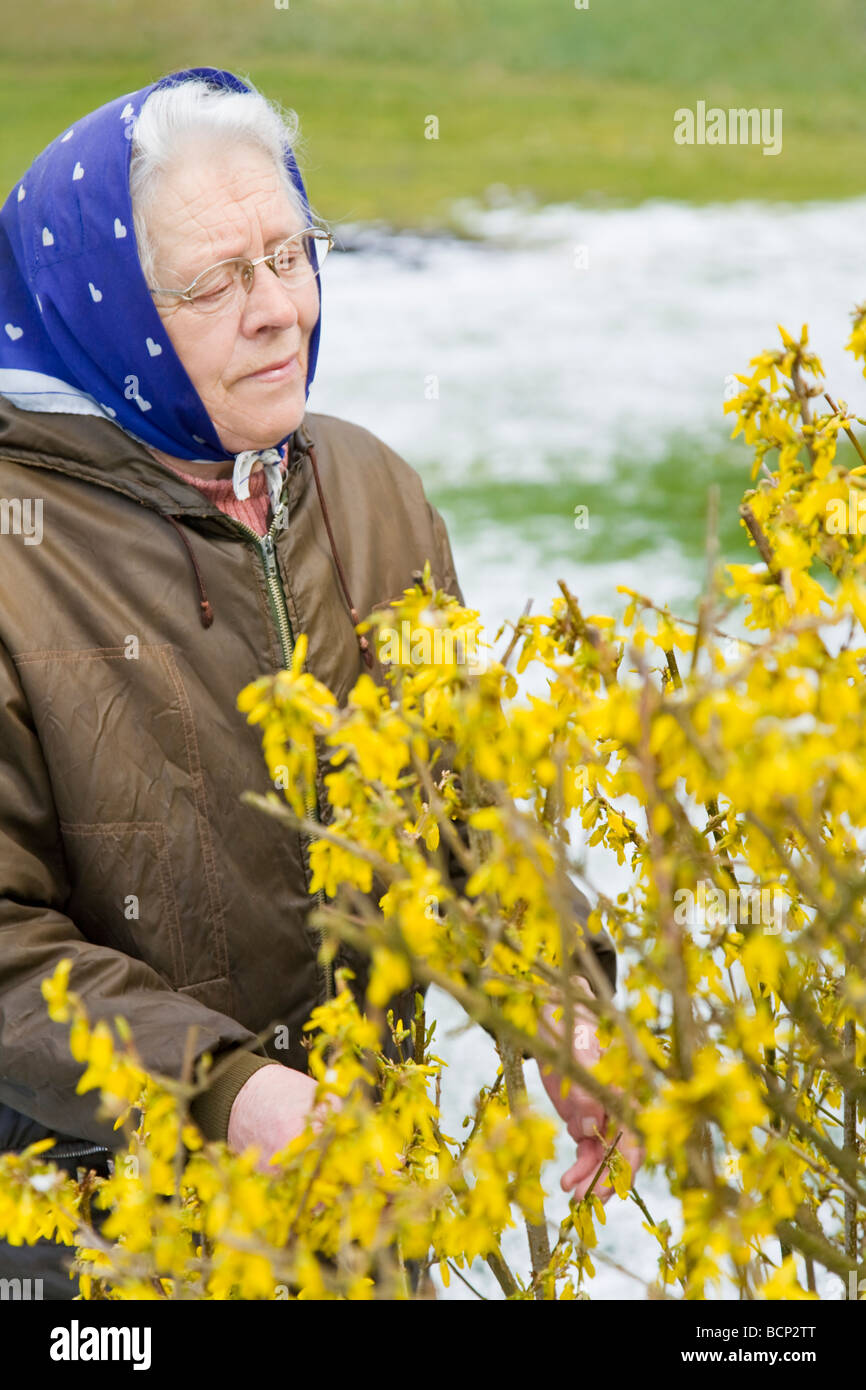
x=267, y=434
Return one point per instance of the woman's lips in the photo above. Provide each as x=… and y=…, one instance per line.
x=276, y=373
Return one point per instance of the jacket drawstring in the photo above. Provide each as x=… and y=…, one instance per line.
x=362, y=640
x=206, y=613
x=205, y=607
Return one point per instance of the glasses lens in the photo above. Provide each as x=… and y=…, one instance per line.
x=323, y=245
x=217, y=289
x=294, y=259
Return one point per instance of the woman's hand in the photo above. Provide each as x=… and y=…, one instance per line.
x=585, y=1117
x=271, y=1109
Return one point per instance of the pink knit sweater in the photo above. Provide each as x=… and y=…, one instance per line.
x=255, y=512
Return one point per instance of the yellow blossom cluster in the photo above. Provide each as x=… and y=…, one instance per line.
x=720, y=760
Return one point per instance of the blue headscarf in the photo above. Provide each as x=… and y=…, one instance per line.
x=79, y=331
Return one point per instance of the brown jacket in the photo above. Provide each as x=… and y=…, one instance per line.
x=126, y=634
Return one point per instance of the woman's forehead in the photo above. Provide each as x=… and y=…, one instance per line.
x=217, y=222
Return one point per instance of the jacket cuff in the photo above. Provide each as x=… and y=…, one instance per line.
x=211, y=1110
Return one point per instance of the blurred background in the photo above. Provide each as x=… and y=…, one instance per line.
x=544, y=306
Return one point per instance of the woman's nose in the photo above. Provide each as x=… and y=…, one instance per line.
x=268, y=300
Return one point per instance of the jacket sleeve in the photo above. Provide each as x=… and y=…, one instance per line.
x=38, y=1074
x=600, y=943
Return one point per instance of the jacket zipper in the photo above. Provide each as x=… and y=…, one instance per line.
x=80, y=1151
x=265, y=547
x=61, y=1154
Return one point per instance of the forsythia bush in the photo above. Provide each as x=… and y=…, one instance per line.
x=723, y=760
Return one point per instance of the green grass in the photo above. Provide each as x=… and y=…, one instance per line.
x=639, y=503
x=532, y=94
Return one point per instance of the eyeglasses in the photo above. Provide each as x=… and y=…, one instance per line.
x=221, y=287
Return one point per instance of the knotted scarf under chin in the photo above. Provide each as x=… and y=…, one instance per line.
x=250, y=462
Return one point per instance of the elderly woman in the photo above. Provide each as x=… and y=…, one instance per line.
x=175, y=519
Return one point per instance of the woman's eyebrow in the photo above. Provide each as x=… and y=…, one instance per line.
x=276, y=240
x=272, y=241
x=284, y=236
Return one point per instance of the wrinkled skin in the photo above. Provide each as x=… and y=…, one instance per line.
x=216, y=203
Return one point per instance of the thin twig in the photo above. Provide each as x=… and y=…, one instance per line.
x=850, y=433
x=469, y=1286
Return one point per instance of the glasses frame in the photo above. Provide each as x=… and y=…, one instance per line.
x=247, y=277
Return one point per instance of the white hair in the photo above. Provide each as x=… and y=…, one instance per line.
x=184, y=113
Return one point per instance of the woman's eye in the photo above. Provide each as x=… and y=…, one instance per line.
x=215, y=291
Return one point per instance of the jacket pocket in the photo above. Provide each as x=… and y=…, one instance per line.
x=121, y=742
x=123, y=892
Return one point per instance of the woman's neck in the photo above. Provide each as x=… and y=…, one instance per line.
x=205, y=471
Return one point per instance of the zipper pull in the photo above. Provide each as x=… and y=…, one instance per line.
x=281, y=518
x=268, y=554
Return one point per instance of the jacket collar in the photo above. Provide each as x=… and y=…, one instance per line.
x=98, y=451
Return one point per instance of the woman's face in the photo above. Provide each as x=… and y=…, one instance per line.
x=213, y=205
